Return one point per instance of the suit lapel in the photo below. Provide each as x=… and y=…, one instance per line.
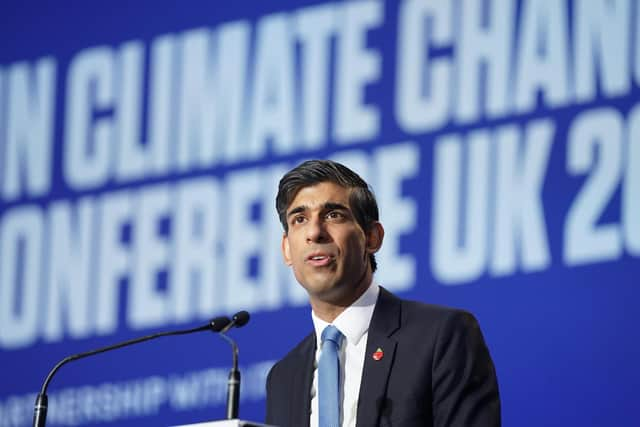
x=375, y=374
x=300, y=405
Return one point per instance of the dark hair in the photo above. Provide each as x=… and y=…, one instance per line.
x=362, y=201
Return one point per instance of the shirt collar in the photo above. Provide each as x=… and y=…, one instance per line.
x=354, y=321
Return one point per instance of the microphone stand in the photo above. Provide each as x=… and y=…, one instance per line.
x=233, y=384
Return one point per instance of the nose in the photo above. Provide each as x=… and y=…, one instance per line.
x=316, y=231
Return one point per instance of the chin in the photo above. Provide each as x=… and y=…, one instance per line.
x=320, y=288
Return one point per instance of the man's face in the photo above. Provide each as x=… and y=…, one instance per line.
x=325, y=246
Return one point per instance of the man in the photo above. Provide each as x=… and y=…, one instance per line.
x=385, y=361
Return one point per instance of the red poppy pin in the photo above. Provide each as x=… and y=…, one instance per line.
x=377, y=355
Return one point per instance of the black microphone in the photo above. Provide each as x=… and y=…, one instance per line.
x=238, y=320
x=40, y=410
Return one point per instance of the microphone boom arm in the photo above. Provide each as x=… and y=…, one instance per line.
x=114, y=347
x=41, y=406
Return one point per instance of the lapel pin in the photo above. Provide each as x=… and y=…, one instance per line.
x=377, y=355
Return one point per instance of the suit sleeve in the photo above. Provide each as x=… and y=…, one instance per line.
x=465, y=387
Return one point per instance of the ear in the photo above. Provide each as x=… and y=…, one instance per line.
x=286, y=250
x=375, y=238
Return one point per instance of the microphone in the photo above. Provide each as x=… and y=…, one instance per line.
x=40, y=409
x=238, y=320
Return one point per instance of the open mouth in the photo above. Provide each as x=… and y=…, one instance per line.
x=319, y=260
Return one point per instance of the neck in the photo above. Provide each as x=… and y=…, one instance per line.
x=329, y=309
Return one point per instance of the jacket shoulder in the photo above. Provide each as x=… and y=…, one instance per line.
x=286, y=382
x=435, y=312
x=293, y=357
x=426, y=314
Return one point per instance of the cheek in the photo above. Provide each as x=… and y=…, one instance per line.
x=356, y=247
x=296, y=253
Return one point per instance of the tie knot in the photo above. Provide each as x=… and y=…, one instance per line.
x=331, y=333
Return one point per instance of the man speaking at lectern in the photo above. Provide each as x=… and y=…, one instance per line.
x=374, y=359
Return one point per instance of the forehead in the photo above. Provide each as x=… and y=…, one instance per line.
x=319, y=194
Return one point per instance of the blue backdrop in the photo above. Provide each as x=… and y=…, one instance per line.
x=140, y=148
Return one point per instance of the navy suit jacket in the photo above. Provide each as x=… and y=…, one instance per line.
x=435, y=371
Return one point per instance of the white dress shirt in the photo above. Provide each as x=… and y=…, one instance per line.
x=354, y=325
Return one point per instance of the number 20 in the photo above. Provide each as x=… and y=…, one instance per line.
x=618, y=159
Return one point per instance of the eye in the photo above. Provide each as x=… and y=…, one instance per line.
x=299, y=219
x=335, y=215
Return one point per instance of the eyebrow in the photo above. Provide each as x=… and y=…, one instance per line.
x=296, y=210
x=327, y=207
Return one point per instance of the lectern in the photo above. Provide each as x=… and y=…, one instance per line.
x=226, y=423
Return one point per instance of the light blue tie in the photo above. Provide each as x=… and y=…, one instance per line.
x=329, y=378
